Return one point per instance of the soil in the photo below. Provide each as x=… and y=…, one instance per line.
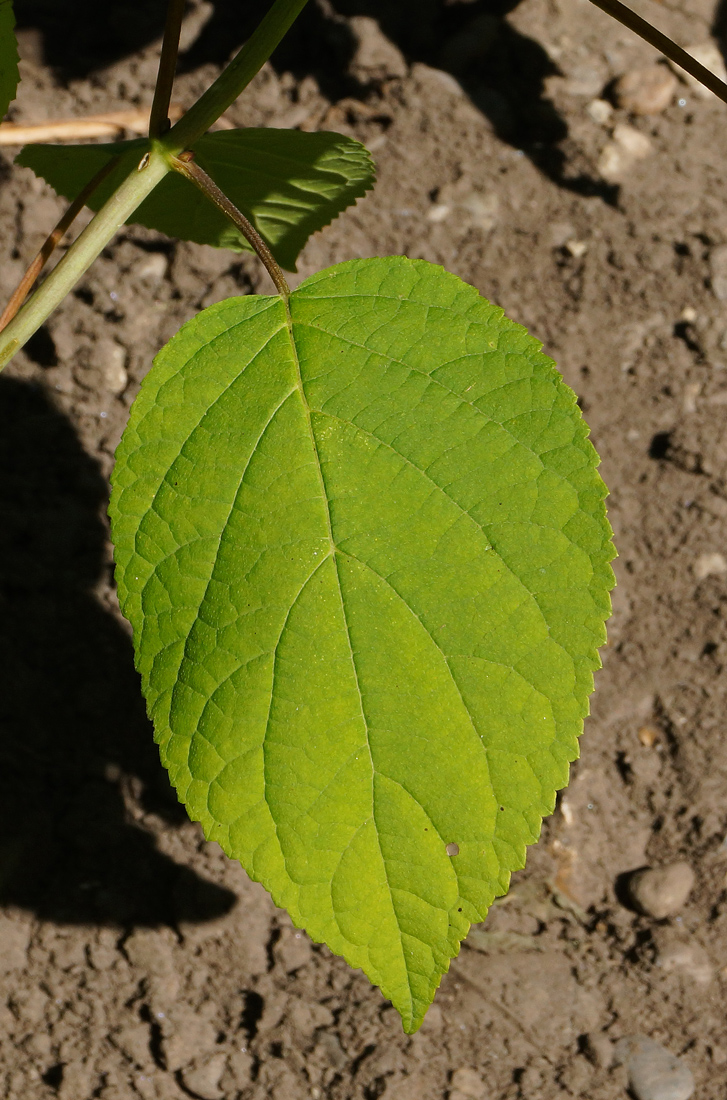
x=135, y=959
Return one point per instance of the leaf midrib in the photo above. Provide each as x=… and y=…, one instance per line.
x=334, y=557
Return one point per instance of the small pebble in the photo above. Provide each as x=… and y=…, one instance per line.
x=576, y=248
x=600, y=111
x=647, y=91
x=586, y=79
x=113, y=357
x=619, y=155
x=467, y=1085
x=654, y=1072
x=692, y=391
x=661, y=892
x=202, y=1077
x=649, y=736
x=375, y=58
x=709, y=565
x=687, y=958
x=598, y=1049
x=151, y=268
x=718, y=272
x=438, y=212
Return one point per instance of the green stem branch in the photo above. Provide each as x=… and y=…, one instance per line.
x=186, y=166
x=51, y=242
x=665, y=45
x=159, y=117
x=142, y=181
x=89, y=244
x=235, y=78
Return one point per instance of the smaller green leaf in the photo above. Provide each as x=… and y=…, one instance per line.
x=8, y=57
x=288, y=183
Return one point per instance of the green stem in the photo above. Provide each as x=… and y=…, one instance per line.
x=82, y=253
x=186, y=166
x=150, y=172
x=235, y=78
x=159, y=120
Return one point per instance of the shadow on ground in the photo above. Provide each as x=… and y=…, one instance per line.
x=502, y=71
x=73, y=731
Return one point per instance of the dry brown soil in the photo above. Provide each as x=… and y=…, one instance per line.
x=135, y=960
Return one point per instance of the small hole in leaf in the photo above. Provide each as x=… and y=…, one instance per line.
x=452, y=849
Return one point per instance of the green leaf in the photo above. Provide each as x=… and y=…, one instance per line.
x=8, y=57
x=288, y=183
x=365, y=554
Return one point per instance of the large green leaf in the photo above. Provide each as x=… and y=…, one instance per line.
x=364, y=551
x=8, y=57
x=288, y=183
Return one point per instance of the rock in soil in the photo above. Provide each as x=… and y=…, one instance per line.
x=718, y=271
x=376, y=58
x=647, y=91
x=619, y=155
x=467, y=1085
x=598, y=1049
x=202, y=1077
x=675, y=954
x=661, y=892
x=654, y=1072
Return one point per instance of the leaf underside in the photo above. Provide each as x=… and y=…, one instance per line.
x=288, y=183
x=8, y=57
x=365, y=554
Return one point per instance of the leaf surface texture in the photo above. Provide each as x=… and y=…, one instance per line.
x=364, y=550
x=288, y=183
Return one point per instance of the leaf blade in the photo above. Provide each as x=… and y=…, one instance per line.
x=289, y=183
x=347, y=743
x=9, y=75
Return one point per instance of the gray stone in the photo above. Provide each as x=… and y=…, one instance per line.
x=654, y=1072
x=661, y=892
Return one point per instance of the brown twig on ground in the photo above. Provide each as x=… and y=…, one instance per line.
x=112, y=124
x=26, y=283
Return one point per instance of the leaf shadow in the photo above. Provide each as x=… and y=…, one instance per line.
x=502, y=71
x=74, y=736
